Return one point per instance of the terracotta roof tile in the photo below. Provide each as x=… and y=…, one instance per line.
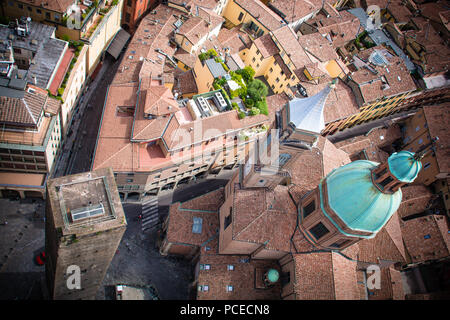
x=387, y=244
x=266, y=46
x=415, y=199
x=181, y=219
x=318, y=46
x=391, y=287
x=325, y=276
x=289, y=42
x=262, y=13
x=294, y=10
x=370, y=85
x=235, y=39
x=246, y=279
x=426, y=238
x=437, y=118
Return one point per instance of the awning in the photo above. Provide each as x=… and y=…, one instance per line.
x=118, y=43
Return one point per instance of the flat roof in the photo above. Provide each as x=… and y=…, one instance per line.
x=48, y=50
x=86, y=199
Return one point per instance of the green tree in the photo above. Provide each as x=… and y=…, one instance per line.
x=262, y=106
x=247, y=73
x=257, y=90
x=254, y=111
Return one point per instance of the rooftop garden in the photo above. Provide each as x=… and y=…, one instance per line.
x=76, y=46
x=363, y=41
x=250, y=91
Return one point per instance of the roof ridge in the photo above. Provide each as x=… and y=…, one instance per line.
x=252, y=222
x=114, y=154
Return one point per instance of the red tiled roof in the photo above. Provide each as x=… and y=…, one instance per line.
x=246, y=278
x=387, y=244
x=266, y=46
x=181, y=219
x=296, y=9
x=61, y=72
x=398, y=78
x=437, y=118
x=317, y=46
x=427, y=238
x=324, y=276
x=262, y=13
x=54, y=5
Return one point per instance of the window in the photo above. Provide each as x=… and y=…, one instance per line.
x=257, y=52
x=139, y=12
x=39, y=11
x=340, y=243
x=230, y=267
x=319, y=230
x=229, y=288
x=20, y=6
x=129, y=3
x=47, y=15
x=283, y=158
x=56, y=17
x=285, y=278
x=385, y=182
x=309, y=208
x=129, y=180
x=253, y=59
x=203, y=288
x=271, y=70
x=427, y=165
x=277, y=80
x=241, y=15
x=427, y=236
x=228, y=219
x=127, y=17
x=29, y=9
x=197, y=225
x=205, y=267
x=420, y=141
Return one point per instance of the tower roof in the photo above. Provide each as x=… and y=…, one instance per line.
x=307, y=113
x=356, y=200
x=404, y=166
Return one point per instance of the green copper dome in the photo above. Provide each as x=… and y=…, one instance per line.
x=273, y=275
x=356, y=200
x=403, y=166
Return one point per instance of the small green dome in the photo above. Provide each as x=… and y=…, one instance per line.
x=273, y=275
x=403, y=166
x=356, y=200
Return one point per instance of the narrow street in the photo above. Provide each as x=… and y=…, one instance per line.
x=76, y=153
